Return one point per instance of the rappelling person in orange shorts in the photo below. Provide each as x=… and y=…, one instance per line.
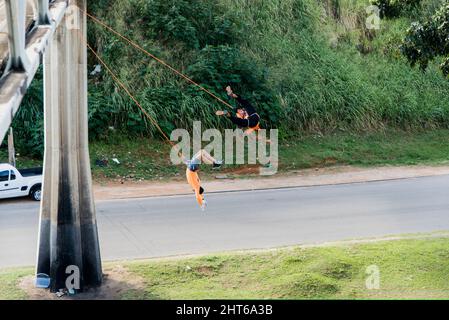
x=245, y=116
x=193, y=167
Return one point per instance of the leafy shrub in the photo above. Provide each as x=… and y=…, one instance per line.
x=426, y=41
x=28, y=123
x=195, y=24
x=220, y=66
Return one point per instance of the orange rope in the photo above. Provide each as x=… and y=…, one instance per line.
x=135, y=45
x=123, y=86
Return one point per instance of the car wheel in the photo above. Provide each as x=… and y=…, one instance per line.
x=36, y=194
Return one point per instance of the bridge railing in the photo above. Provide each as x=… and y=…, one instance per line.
x=26, y=48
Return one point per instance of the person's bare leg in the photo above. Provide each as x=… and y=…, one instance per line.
x=207, y=158
x=198, y=156
x=204, y=157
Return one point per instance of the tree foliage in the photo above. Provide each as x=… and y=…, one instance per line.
x=427, y=41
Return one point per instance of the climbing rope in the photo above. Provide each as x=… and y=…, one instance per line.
x=135, y=45
x=128, y=92
x=126, y=89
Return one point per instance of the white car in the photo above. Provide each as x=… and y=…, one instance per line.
x=20, y=183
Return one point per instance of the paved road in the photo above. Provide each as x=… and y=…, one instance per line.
x=156, y=227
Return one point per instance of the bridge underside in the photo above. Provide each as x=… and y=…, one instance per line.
x=34, y=37
x=31, y=18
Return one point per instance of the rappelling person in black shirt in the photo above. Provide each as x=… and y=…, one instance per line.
x=245, y=115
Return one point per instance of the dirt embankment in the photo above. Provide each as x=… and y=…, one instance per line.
x=236, y=182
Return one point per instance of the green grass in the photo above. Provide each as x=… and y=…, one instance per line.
x=9, y=283
x=375, y=149
x=148, y=159
x=409, y=269
x=22, y=161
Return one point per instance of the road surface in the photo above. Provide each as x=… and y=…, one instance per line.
x=159, y=227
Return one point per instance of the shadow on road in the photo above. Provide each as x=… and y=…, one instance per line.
x=24, y=200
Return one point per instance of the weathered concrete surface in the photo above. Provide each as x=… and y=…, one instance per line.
x=68, y=231
x=3, y=35
x=30, y=17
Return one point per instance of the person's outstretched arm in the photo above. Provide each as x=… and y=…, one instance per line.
x=207, y=158
x=247, y=105
x=243, y=102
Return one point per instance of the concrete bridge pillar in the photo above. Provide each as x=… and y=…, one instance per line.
x=68, y=238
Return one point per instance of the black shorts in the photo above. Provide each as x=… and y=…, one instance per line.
x=253, y=120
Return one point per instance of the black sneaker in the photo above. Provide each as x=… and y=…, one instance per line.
x=217, y=165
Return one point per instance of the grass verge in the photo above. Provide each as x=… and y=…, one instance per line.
x=144, y=159
x=9, y=283
x=415, y=268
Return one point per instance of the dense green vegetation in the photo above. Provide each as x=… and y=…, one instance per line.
x=425, y=42
x=409, y=269
x=298, y=78
x=310, y=66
